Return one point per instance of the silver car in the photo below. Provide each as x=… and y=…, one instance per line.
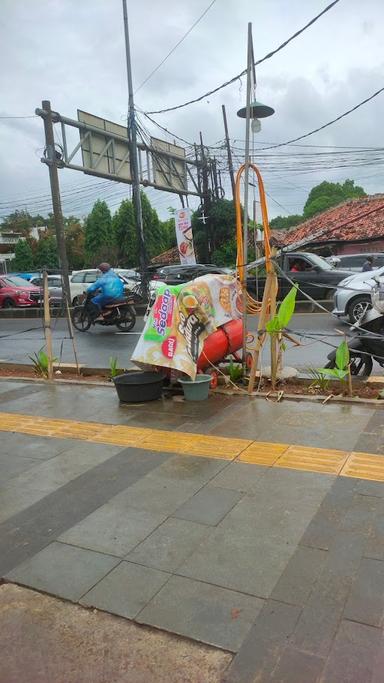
x=353, y=295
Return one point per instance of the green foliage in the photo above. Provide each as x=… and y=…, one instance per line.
x=46, y=253
x=285, y=222
x=342, y=364
x=99, y=238
x=235, y=371
x=220, y=230
x=319, y=381
x=114, y=370
x=325, y=195
x=23, y=260
x=124, y=229
x=40, y=362
x=74, y=240
x=284, y=314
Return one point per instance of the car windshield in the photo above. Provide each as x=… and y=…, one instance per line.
x=321, y=262
x=15, y=281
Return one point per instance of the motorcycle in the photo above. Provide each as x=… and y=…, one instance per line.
x=366, y=345
x=121, y=313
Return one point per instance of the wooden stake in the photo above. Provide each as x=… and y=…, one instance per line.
x=70, y=329
x=274, y=336
x=260, y=336
x=47, y=325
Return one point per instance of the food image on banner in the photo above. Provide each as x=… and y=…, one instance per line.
x=184, y=237
x=181, y=319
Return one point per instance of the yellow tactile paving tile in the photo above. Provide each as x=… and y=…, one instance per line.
x=364, y=466
x=223, y=448
x=311, y=459
x=321, y=460
x=263, y=453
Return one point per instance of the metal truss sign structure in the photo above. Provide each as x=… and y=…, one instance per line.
x=103, y=151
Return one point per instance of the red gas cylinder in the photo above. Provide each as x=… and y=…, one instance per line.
x=227, y=339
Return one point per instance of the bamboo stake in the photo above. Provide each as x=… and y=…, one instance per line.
x=260, y=336
x=47, y=324
x=274, y=288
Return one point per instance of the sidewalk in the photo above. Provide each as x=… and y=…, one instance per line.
x=254, y=529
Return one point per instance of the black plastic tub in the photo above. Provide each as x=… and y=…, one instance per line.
x=137, y=387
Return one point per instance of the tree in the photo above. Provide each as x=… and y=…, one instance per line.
x=99, y=237
x=220, y=230
x=22, y=221
x=325, y=195
x=285, y=222
x=74, y=240
x=46, y=253
x=23, y=260
x=124, y=229
x=155, y=242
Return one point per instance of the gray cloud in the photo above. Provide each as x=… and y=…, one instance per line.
x=73, y=53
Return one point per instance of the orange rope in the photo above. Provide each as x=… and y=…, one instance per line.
x=253, y=306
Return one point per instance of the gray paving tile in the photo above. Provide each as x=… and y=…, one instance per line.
x=370, y=488
x=322, y=613
x=189, y=469
x=68, y=465
x=295, y=666
x=114, y=528
x=375, y=544
x=14, y=500
x=168, y=546
x=238, y=561
x=206, y=613
x=28, y=531
x=264, y=644
x=353, y=655
x=63, y=570
x=366, y=599
x=362, y=513
x=12, y=465
x=158, y=495
x=126, y=590
x=321, y=530
x=209, y=505
x=239, y=476
x=39, y=447
x=299, y=578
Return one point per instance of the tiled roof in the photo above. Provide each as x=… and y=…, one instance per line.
x=169, y=257
x=356, y=219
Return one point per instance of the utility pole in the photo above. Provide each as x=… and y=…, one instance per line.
x=133, y=156
x=206, y=198
x=229, y=151
x=52, y=159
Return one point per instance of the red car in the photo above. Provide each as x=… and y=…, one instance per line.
x=15, y=291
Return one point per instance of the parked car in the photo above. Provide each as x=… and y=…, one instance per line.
x=353, y=294
x=54, y=287
x=355, y=262
x=313, y=274
x=80, y=280
x=17, y=292
x=179, y=274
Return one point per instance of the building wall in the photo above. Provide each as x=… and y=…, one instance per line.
x=359, y=247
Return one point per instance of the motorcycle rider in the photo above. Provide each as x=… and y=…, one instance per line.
x=112, y=289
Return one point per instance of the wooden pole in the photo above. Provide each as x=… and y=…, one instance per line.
x=70, y=329
x=260, y=334
x=47, y=324
x=274, y=288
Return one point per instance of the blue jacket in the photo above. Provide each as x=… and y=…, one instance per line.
x=110, y=285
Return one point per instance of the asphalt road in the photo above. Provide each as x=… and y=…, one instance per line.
x=20, y=338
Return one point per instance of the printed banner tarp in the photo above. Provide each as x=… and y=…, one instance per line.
x=181, y=319
x=184, y=237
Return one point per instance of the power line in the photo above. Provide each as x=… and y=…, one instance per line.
x=175, y=47
x=338, y=118
x=242, y=73
x=32, y=116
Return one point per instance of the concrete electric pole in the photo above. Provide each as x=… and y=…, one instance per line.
x=134, y=162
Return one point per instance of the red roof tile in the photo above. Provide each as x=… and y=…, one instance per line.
x=356, y=219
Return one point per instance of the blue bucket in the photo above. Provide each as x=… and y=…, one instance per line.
x=197, y=389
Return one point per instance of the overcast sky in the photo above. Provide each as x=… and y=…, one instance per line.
x=72, y=52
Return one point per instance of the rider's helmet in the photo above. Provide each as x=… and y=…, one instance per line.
x=104, y=267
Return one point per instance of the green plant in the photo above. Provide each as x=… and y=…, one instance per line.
x=235, y=371
x=40, y=362
x=113, y=368
x=319, y=381
x=342, y=364
x=283, y=316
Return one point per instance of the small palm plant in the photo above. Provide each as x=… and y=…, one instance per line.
x=342, y=369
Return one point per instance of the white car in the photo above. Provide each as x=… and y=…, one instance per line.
x=353, y=295
x=80, y=280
